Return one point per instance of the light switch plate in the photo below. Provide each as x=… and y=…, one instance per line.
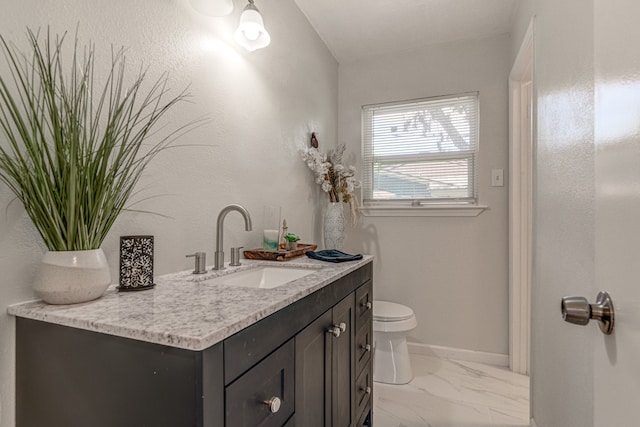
x=497, y=178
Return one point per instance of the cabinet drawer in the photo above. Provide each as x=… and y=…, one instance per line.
x=364, y=389
x=247, y=398
x=364, y=347
x=364, y=305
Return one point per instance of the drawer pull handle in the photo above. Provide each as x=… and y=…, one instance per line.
x=336, y=330
x=366, y=390
x=273, y=404
x=366, y=305
x=366, y=347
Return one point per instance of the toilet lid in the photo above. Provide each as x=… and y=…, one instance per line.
x=386, y=311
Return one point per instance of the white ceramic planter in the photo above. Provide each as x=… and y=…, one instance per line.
x=70, y=277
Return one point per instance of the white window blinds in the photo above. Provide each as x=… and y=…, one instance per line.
x=421, y=150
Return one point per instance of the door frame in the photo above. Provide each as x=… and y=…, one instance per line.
x=521, y=141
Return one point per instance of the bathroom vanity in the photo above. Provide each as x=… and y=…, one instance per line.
x=192, y=352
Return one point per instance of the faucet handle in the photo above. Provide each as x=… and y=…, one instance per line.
x=235, y=256
x=201, y=262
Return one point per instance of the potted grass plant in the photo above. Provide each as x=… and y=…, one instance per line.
x=72, y=149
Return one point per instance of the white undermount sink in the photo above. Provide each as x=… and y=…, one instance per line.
x=264, y=277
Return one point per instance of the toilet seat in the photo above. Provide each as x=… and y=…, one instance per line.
x=386, y=311
x=391, y=317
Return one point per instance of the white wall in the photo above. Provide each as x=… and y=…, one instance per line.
x=262, y=106
x=561, y=392
x=451, y=271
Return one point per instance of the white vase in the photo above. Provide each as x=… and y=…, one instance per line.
x=70, y=277
x=334, y=226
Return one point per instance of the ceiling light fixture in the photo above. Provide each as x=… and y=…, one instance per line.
x=213, y=7
x=251, y=33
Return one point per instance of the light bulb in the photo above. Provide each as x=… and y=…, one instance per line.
x=251, y=33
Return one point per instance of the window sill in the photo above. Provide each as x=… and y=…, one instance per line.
x=425, y=210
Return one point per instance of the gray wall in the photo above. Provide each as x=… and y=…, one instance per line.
x=262, y=105
x=451, y=271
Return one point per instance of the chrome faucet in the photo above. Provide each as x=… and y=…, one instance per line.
x=219, y=256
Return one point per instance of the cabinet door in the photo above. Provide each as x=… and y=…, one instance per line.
x=313, y=374
x=343, y=364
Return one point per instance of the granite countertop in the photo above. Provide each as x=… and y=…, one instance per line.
x=184, y=313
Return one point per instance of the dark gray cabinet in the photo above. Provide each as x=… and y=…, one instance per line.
x=325, y=363
x=363, y=349
x=313, y=373
x=289, y=369
x=68, y=377
x=343, y=364
x=364, y=325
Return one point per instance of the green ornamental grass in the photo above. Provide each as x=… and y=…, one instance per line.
x=71, y=149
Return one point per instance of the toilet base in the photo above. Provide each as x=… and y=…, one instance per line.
x=391, y=364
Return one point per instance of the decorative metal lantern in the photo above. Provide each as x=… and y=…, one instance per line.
x=136, y=263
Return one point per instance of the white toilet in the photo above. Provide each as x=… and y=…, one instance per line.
x=391, y=323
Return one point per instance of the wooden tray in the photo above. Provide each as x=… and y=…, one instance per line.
x=281, y=255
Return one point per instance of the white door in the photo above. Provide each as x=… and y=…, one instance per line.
x=617, y=215
x=587, y=211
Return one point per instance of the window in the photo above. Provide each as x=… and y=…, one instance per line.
x=421, y=152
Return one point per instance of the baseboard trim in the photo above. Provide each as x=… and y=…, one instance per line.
x=533, y=423
x=494, y=359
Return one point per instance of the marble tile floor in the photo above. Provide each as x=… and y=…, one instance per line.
x=450, y=393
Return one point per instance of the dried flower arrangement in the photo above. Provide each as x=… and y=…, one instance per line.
x=338, y=181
